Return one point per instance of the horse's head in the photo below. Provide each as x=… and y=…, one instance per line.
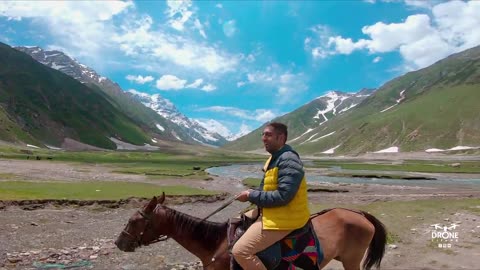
x=144, y=226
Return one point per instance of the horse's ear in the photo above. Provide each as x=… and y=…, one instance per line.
x=161, y=199
x=152, y=204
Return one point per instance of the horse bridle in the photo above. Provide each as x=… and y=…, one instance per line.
x=138, y=240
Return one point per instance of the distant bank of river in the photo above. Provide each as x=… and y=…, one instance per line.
x=254, y=170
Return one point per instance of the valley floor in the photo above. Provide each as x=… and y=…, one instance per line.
x=83, y=236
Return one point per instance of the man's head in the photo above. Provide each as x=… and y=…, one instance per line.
x=274, y=137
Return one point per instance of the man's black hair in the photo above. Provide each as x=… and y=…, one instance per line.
x=279, y=128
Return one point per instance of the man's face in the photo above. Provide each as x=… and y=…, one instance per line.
x=272, y=140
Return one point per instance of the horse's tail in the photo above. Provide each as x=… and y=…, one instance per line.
x=376, y=249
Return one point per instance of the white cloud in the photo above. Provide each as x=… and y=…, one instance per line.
x=137, y=38
x=209, y=87
x=288, y=85
x=83, y=27
x=195, y=84
x=170, y=82
x=377, y=59
x=420, y=3
x=421, y=39
x=240, y=84
x=219, y=6
x=318, y=43
x=139, y=79
x=179, y=13
x=458, y=23
x=199, y=27
x=229, y=28
x=264, y=115
x=93, y=30
x=138, y=93
x=387, y=37
x=260, y=115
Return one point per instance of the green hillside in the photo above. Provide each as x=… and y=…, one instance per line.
x=435, y=107
x=142, y=115
x=46, y=105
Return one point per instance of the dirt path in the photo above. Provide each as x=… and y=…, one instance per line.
x=83, y=236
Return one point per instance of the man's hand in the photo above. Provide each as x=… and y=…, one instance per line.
x=243, y=196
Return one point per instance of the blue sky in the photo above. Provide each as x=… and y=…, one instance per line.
x=239, y=64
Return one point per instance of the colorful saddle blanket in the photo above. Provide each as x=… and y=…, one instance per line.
x=300, y=248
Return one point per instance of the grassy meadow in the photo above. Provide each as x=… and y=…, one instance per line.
x=26, y=190
x=187, y=164
x=425, y=166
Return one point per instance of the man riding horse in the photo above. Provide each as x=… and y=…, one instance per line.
x=281, y=198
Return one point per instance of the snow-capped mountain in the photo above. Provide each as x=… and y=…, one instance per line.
x=68, y=65
x=306, y=124
x=216, y=126
x=167, y=109
x=64, y=63
x=173, y=124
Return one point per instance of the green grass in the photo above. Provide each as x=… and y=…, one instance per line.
x=174, y=168
x=190, y=157
x=251, y=182
x=408, y=166
x=8, y=176
x=23, y=190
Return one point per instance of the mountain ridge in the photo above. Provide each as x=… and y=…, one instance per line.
x=46, y=106
x=174, y=125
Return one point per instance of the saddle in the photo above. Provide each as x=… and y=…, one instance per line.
x=300, y=248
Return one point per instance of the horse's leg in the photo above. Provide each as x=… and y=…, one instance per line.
x=344, y=236
x=328, y=228
x=359, y=233
x=358, y=241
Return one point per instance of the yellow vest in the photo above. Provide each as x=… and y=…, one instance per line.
x=292, y=216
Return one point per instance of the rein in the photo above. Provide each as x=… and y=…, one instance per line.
x=227, y=203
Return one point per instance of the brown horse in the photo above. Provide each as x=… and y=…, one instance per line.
x=345, y=235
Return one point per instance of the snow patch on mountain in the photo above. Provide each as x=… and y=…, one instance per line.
x=331, y=150
x=456, y=148
x=160, y=127
x=324, y=136
x=402, y=97
x=392, y=149
x=308, y=130
x=167, y=109
x=335, y=104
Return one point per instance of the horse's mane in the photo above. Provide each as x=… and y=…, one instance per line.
x=203, y=230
